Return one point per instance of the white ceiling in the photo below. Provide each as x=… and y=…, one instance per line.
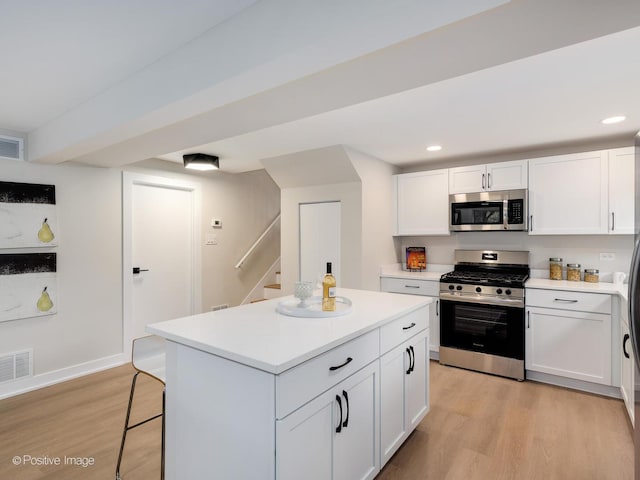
x=112, y=83
x=57, y=54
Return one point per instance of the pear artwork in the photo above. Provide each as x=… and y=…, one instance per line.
x=44, y=302
x=45, y=235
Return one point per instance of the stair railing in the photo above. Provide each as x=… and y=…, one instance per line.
x=257, y=242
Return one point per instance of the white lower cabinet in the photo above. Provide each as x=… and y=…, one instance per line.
x=564, y=340
x=335, y=436
x=404, y=392
x=428, y=288
x=626, y=364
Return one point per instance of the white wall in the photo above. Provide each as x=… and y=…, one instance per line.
x=88, y=325
x=86, y=333
x=377, y=241
x=350, y=197
x=582, y=249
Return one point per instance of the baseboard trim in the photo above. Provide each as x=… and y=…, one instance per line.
x=24, y=385
x=598, y=389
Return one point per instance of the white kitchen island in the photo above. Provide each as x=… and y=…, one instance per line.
x=253, y=394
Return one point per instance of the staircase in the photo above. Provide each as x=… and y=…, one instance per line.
x=270, y=291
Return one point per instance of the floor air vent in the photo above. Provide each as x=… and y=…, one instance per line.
x=16, y=365
x=11, y=148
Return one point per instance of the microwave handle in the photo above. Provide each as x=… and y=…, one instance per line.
x=505, y=214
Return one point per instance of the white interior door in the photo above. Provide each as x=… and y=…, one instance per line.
x=161, y=239
x=319, y=240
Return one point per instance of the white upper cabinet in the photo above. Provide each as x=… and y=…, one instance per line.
x=421, y=203
x=621, y=187
x=489, y=177
x=568, y=194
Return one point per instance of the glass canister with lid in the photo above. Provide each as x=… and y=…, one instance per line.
x=555, y=268
x=591, y=275
x=573, y=272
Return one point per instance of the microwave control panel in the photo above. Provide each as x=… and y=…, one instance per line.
x=516, y=212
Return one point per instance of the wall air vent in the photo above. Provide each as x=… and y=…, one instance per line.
x=16, y=365
x=11, y=148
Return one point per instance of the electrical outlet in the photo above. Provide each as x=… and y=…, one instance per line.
x=216, y=223
x=607, y=256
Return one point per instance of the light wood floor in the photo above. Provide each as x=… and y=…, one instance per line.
x=480, y=427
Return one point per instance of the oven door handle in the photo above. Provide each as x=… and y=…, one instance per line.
x=482, y=299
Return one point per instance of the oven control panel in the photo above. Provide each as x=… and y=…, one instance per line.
x=482, y=294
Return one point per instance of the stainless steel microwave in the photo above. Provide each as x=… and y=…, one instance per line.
x=500, y=210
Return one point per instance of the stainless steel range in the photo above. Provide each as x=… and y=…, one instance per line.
x=482, y=312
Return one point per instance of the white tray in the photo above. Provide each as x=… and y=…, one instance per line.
x=314, y=308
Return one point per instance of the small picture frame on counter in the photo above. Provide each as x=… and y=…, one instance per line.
x=415, y=259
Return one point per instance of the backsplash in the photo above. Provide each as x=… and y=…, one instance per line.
x=582, y=249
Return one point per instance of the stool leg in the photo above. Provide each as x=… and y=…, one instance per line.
x=163, y=441
x=126, y=425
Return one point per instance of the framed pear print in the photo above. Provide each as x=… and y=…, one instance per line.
x=27, y=215
x=28, y=285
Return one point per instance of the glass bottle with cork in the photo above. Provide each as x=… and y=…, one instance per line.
x=329, y=291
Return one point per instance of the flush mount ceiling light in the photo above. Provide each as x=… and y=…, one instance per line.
x=616, y=119
x=434, y=148
x=201, y=161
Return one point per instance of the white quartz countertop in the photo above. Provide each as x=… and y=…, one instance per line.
x=600, y=287
x=258, y=336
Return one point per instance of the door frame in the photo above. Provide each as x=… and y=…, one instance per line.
x=129, y=180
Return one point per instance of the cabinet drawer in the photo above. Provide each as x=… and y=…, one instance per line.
x=410, y=286
x=566, y=300
x=403, y=328
x=297, y=386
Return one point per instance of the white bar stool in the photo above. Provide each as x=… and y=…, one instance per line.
x=148, y=357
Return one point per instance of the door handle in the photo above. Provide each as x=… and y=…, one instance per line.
x=531, y=223
x=337, y=367
x=613, y=221
x=483, y=181
x=339, y=427
x=410, y=326
x=413, y=358
x=346, y=401
x=408, y=353
x=528, y=318
x=488, y=181
x=564, y=300
x=137, y=270
x=437, y=308
x=412, y=286
x=624, y=345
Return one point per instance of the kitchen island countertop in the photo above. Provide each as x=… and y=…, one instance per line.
x=257, y=336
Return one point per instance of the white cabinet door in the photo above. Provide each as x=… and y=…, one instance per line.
x=470, y=179
x=490, y=177
x=569, y=344
x=434, y=325
x=417, y=391
x=421, y=203
x=335, y=436
x=507, y=175
x=568, y=194
x=621, y=190
x=404, y=392
x=393, y=425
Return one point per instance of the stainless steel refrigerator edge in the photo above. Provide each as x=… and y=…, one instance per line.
x=634, y=309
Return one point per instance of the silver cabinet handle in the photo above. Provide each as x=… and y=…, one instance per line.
x=483, y=181
x=613, y=221
x=488, y=181
x=412, y=286
x=564, y=300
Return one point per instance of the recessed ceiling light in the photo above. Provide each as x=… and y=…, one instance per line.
x=434, y=148
x=616, y=119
